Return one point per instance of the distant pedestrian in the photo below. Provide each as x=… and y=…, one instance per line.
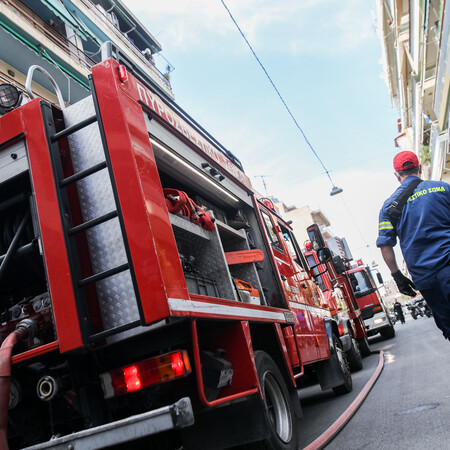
x=418, y=213
x=398, y=310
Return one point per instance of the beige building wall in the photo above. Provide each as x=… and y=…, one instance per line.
x=302, y=218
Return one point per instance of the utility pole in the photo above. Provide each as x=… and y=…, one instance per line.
x=264, y=182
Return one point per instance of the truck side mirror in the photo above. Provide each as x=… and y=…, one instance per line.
x=324, y=255
x=338, y=264
x=315, y=236
x=380, y=278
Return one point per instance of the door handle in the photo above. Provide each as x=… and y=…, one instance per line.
x=283, y=277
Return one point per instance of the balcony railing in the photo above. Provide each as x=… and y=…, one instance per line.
x=126, y=43
x=43, y=28
x=84, y=59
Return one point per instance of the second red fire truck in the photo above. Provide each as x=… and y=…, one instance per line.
x=374, y=312
x=335, y=283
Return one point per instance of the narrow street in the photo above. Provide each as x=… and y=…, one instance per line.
x=409, y=406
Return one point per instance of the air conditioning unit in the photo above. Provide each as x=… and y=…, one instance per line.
x=113, y=18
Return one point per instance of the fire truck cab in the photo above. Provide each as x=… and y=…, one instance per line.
x=147, y=294
x=375, y=315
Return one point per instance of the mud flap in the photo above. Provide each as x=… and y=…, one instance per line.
x=227, y=426
x=346, y=338
x=329, y=372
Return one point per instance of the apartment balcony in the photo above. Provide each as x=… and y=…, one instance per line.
x=32, y=33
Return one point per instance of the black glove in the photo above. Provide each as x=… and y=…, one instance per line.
x=404, y=284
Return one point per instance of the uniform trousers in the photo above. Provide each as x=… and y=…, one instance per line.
x=436, y=292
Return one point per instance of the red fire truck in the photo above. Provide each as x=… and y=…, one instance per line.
x=146, y=294
x=334, y=282
x=374, y=312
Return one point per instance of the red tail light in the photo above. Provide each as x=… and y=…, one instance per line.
x=377, y=308
x=152, y=371
x=131, y=378
x=177, y=363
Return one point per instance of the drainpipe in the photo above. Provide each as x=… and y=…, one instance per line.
x=26, y=328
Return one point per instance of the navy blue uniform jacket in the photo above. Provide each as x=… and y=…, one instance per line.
x=423, y=228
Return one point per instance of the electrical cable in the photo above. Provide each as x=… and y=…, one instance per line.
x=278, y=93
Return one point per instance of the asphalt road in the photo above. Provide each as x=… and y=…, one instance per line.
x=409, y=406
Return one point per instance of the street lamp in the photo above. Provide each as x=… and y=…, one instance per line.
x=336, y=190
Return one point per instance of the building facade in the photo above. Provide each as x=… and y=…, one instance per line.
x=416, y=57
x=65, y=38
x=301, y=219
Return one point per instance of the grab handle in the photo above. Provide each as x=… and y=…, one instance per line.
x=50, y=78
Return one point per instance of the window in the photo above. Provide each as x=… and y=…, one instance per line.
x=273, y=236
x=292, y=246
x=289, y=245
x=360, y=284
x=311, y=261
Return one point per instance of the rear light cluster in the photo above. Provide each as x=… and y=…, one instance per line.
x=160, y=369
x=377, y=308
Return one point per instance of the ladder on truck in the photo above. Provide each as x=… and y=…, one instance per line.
x=84, y=134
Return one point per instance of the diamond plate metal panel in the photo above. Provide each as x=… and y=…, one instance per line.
x=209, y=256
x=117, y=298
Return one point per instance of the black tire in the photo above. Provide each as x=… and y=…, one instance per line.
x=341, y=356
x=277, y=405
x=364, y=347
x=414, y=316
x=388, y=332
x=354, y=356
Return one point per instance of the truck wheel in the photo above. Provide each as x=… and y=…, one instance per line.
x=364, y=346
x=388, y=332
x=341, y=356
x=277, y=405
x=354, y=356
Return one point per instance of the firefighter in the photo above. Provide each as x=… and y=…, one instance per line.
x=420, y=218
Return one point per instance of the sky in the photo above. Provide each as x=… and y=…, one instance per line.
x=324, y=57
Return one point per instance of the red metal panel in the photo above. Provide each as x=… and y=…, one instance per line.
x=47, y=348
x=158, y=273
x=11, y=126
x=291, y=345
x=284, y=350
x=57, y=264
x=239, y=388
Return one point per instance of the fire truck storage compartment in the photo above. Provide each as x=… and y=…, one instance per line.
x=206, y=248
x=23, y=291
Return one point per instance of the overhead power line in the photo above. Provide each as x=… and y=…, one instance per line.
x=335, y=190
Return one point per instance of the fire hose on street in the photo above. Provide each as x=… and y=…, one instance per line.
x=328, y=435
